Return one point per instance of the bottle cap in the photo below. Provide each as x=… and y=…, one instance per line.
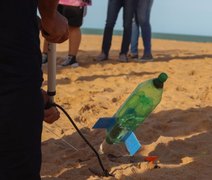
x=163, y=77
x=158, y=82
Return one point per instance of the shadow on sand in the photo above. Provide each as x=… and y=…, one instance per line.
x=189, y=132
x=86, y=58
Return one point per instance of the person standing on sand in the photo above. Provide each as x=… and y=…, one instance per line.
x=22, y=101
x=142, y=20
x=74, y=11
x=114, y=7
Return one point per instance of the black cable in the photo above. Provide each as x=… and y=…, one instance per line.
x=105, y=171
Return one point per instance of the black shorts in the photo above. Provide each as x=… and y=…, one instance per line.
x=73, y=14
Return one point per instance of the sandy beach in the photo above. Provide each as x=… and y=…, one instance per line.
x=179, y=131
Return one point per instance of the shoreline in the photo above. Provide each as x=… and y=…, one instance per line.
x=156, y=35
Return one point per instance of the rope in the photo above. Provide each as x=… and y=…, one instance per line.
x=62, y=139
x=105, y=171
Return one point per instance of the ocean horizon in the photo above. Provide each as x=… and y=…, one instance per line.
x=155, y=35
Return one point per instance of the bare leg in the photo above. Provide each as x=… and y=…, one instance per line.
x=45, y=47
x=74, y=40
x=74, y=43
x=45, y=52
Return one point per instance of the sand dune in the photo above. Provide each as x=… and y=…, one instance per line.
x=179, y=131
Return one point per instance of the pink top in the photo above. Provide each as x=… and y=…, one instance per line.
x=73, y=3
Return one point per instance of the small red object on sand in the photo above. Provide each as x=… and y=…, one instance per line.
x=151, y=158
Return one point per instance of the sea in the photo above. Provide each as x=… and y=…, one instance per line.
x=166, y=36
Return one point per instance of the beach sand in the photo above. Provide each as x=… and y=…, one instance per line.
x=179, y=131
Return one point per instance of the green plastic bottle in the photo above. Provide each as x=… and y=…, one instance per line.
x=142, y=101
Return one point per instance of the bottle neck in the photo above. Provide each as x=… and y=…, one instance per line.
x=157, y=83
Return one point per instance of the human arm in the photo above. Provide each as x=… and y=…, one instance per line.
x=51, y=114
x=54, y=26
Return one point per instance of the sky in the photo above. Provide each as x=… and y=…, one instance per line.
x=193, y=17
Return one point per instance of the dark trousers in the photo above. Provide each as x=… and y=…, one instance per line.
x=142, y=18
x=21, y=115
x=114, y=7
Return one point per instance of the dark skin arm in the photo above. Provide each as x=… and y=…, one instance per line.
x=54, y=26
x=51, y=114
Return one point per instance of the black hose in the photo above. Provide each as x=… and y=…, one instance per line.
x=105, y=171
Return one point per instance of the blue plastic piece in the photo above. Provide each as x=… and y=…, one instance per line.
x=132, y=143
x=106, y=122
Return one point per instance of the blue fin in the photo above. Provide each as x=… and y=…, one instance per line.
x=132, y=143
x=106, y=122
